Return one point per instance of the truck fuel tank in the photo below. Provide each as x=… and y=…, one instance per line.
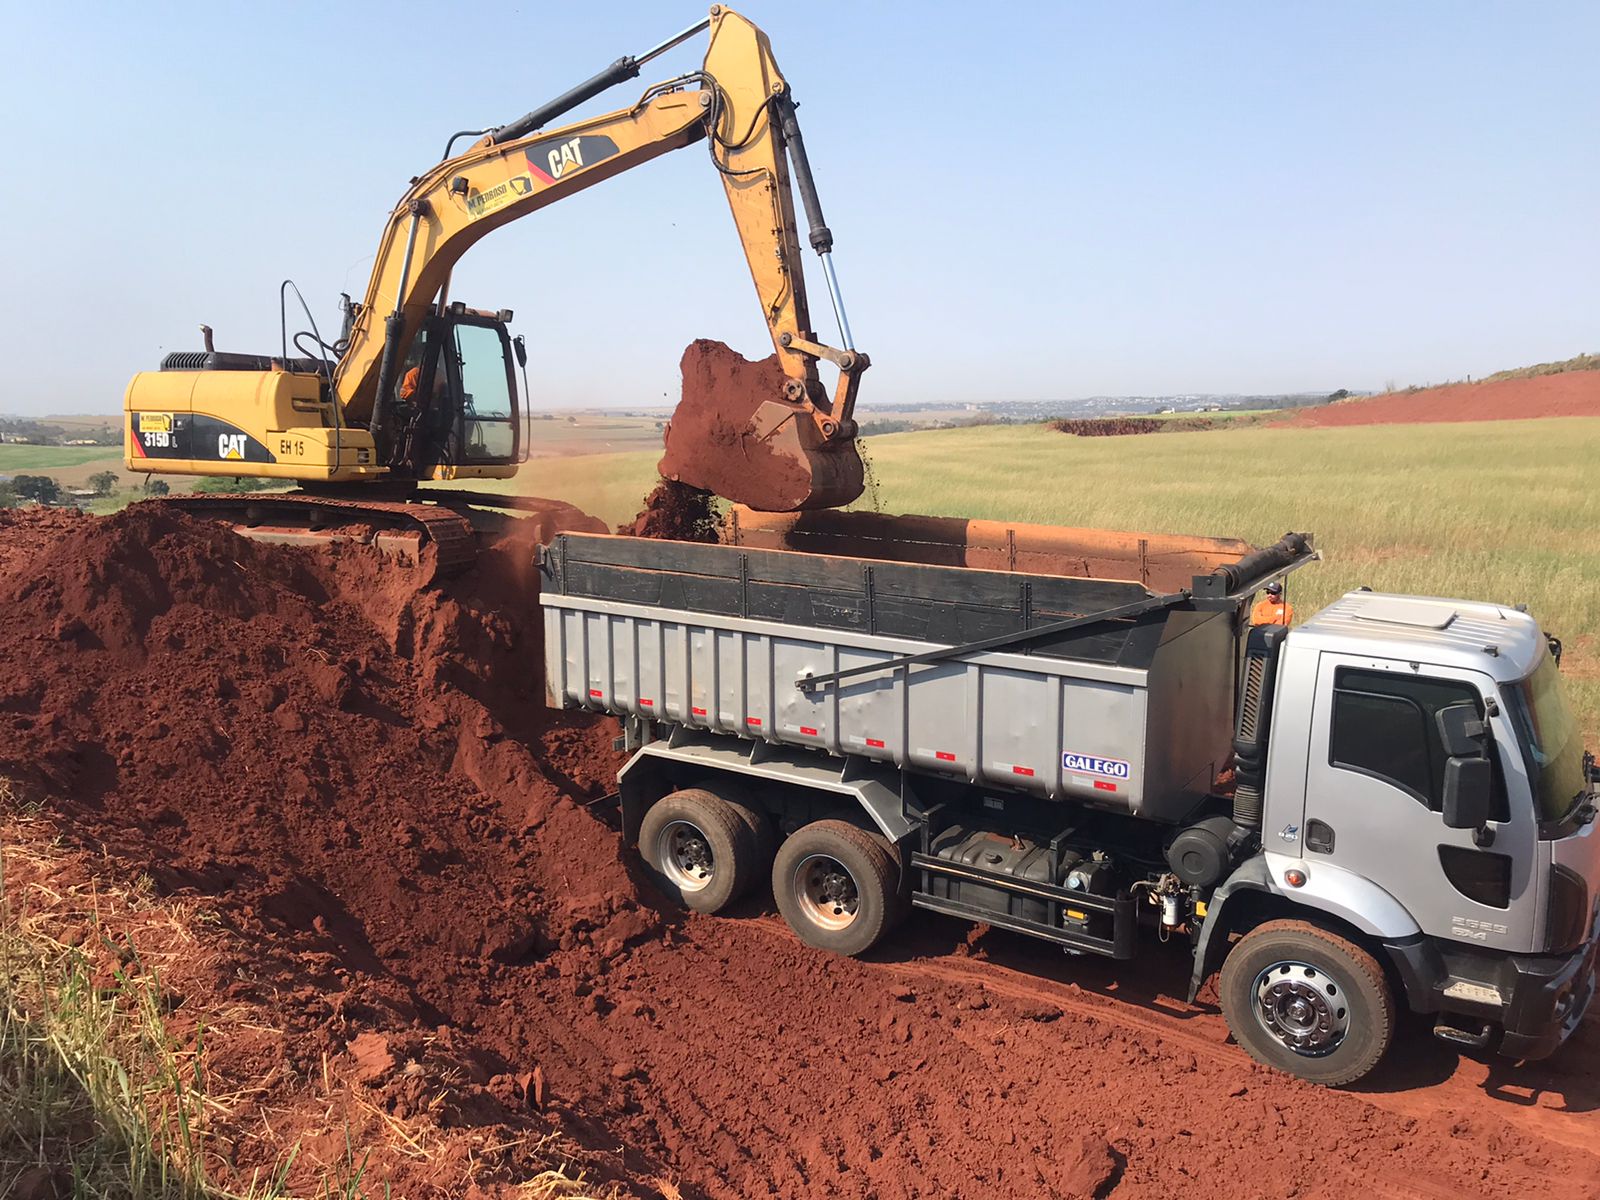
x=1005, y=854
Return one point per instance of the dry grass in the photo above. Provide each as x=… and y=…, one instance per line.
x=1579, y=362
x=106, y=1032
x=95, y=1097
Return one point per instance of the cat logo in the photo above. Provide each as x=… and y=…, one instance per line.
x=230, y=445
x=566, y=157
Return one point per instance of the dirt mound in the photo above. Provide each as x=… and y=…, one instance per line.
x=1125, y=426
x=406, y=856
x=677, y=512
x=1570, y=394
x=710, y=445
x=354, y=762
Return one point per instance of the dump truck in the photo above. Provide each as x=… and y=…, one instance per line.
x=1077, y=736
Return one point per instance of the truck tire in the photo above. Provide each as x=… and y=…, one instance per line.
x=1308, y=1002
x=701, y=850
x=738, y=798
x=836, y=886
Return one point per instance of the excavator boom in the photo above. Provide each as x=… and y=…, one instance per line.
x=424, y=388
x=740, y=102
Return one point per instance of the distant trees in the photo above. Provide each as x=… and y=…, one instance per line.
x=213, y=484
x=156, y=487
x=103, y=482
x=36, y=487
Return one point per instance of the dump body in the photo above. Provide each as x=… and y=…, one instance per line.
x=1132, y=715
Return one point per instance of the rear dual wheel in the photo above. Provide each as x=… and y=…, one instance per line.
x=837, y=886
x=703, y=849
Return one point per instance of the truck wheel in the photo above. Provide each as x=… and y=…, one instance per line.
x=1307, y=1002
x=700, y=849
x=836, y=886
x=738, y=798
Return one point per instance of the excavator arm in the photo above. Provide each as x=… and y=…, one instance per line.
x=739, y=103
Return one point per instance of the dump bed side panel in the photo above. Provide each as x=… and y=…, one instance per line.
x=1129, y=714
x=1053, y=728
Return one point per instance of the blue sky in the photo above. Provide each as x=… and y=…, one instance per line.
x=1030, y=200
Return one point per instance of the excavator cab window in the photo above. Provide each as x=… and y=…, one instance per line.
x=457, y=396
x=480, y=362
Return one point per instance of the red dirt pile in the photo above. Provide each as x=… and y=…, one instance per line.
x=709, y=444
x=350, y=764
x=359, y=770
x=1569, y=394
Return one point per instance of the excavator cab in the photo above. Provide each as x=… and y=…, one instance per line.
x=456, y=407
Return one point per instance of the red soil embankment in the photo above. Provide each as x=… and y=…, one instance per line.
x=1571, y=394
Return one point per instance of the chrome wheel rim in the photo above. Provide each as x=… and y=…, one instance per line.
x=826, y=892
x=1303, y=1008
x=685, y=856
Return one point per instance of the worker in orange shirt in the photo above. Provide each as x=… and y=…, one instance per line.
x=1272, y=609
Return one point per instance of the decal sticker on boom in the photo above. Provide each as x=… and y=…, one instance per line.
x=1088, y=764
x=546, y=162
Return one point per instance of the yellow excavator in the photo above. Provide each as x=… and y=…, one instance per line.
x=420, y=387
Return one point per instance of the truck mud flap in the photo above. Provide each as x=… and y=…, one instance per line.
x=1079, y=921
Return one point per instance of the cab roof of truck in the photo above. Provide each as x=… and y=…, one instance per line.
x=1494, y=638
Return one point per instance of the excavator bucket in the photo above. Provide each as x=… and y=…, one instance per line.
x=732, y=435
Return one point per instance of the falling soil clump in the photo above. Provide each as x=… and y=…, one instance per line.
x=710, y=444
x=677, y=512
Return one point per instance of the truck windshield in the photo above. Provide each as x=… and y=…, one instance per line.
x=1551, y=743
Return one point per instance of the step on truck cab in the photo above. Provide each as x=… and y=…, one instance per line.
x=1387, y=806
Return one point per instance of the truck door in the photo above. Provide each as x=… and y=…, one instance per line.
x=1374, y=787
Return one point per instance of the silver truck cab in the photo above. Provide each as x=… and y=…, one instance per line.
x=1426, y=785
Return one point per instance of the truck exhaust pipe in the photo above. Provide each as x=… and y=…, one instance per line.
x=1262, y=648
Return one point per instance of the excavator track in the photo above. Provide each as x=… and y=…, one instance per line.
x=398, y=529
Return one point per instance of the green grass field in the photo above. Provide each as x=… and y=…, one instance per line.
x=1500, y=510
x=45, y=459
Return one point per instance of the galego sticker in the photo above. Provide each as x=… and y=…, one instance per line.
x=1088, y=764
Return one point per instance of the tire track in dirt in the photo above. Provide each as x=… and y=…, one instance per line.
x=768, y=1069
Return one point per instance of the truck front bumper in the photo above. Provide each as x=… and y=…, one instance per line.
x=1536, y=1000
x=1547, y=1001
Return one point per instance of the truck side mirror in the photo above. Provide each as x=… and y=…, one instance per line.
x=1462, y=731
x=1467, y=786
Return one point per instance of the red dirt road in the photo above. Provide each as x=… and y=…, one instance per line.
x=350, y=764
x=1571, y=394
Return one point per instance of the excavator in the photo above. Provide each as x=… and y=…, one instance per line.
x=419, y=387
